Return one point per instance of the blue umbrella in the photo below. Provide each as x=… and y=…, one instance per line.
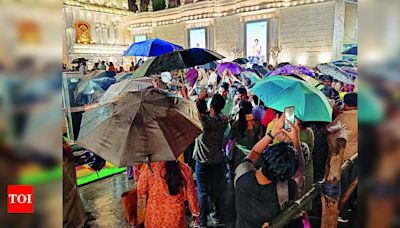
x=351, y=51
x=152, y=47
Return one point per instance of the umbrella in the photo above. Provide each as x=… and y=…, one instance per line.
x=152, y=47
x=79, y=60
x=177, y=60
x=278, y=92
x=138, y=126
x=341, y=63
x=210, y=65
x=241, y=61
x=125, y=86
x=233, y=67
x=351, y=51
x=88, y=92
x=92, y=87
x=250, y=75
x=351, y=71
x=192, y=76
x=123, y=75
x=290, y=69
x=335, y=72
x=310, y=80
x=260, y=70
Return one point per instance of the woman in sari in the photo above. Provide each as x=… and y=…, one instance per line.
x=164, y=185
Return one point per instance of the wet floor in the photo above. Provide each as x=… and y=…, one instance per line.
x=103, y=199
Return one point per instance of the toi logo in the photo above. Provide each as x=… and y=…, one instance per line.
x=20, y=199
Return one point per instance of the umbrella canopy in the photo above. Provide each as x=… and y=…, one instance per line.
x=125, y=86
x=290, y=69
x=278, y=92
x=177, y=60
x=260, y=70
x=192, y=76
x=351, y=71
x=90, y=90
x=335, y=72
x=241, y=60
x=233, y=67
x=123, y=75
x=140, y=125
x=250, y=75
x=152, y=47
x=210, y=65
x=79, y=60
x=310, y=80
x=341, y=63
x=351, y=51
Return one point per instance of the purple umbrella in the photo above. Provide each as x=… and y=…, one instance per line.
x=192, y=76
x=233, y=67
x=290, y=69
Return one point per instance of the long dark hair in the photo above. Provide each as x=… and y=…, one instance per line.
x=173, y=177
x=245, y=108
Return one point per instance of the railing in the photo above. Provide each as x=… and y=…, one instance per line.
x=297, y=206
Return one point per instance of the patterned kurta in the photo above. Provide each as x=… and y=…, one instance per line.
x=164, y=210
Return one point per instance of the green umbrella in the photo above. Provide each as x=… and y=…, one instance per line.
x=278, y=92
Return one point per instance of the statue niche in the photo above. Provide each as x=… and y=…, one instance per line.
x=82, y=33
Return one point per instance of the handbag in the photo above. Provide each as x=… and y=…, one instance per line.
x=129, y=205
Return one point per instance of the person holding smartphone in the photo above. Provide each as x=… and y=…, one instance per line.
x=261, y=193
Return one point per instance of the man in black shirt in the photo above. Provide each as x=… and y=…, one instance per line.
x=261, y=194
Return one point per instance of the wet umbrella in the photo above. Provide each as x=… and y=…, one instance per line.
x=139, y=126
x=123, y=75
x=125, y=86
x=260, y=70
x=341, y=63
x=92, y=88
x=310, y=80
x=241, y=61
x=192, y=76
x=177, y=60
x=88, y=92
x=79, y=60
x=351, y=71
x=233, y=67
x=290, y=69
x=250, y=75
x=210, y=65
x=278, y=92
x=152, y=47
x=335, y=72
x=351, y=51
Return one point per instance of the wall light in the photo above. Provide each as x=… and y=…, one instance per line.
x=302, y=59
x=325, y=57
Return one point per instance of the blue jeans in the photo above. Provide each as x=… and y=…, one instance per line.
x=211, y=182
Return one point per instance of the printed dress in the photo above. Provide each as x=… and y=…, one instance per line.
x=164, y=210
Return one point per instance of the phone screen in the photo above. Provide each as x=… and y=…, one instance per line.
x=289, y=116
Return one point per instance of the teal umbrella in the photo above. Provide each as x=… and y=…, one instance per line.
x=278, y=92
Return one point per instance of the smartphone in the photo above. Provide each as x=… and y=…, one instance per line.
x=289, y=116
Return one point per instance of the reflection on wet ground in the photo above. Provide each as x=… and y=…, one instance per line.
x=103, y=199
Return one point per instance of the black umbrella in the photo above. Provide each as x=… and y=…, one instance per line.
x=79, y=60
x=177, y=60
x=241, y=60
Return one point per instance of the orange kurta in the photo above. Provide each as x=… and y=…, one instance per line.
x=164, y=210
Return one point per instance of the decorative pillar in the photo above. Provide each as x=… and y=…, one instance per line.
x=138, y=4
x=166, y=4
x=182, y=2
x=150, y=6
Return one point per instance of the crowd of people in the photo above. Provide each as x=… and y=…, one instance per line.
x=245, y=164
x=83, y=68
